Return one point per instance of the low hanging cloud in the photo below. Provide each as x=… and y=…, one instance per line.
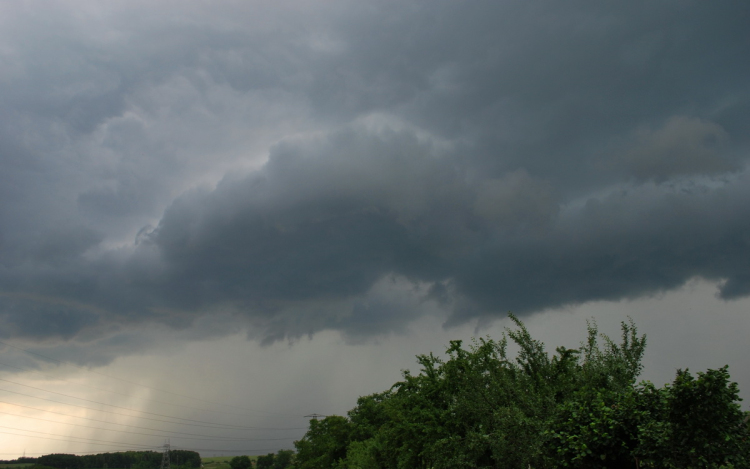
x=309, y=242
x=682, y=146
x=365, y=168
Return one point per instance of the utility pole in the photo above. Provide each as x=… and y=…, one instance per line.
x=165, y=457
x=314, y=416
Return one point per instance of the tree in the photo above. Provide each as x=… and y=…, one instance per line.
x=578, y=408
x=283, y=459
x=324, y=444
x=241, y=462
x=264, y=462
x=694, y=423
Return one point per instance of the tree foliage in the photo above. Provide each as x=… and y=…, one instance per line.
x=281, y=460
x=119, y=460
x=240, y=462
x=265, y=462
x=284, y=458
x=582, y=408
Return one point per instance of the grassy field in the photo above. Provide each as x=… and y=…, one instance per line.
x=16, y=465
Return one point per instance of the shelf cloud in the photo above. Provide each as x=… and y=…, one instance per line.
x=352, y=167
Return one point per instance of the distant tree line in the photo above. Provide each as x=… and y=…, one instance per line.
x=283, y=459
x=181, y=459
x=579, y=408
x=21, y=460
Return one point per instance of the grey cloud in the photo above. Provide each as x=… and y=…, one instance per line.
x=516, y=199
x=547, y=87
x=682, y=146
x=499, y=128
x=626, y=245
x=39, y=318
x=300, y=231
x=305, y=227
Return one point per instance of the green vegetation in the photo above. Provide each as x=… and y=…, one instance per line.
x=218, y=462
x=119, y=460
x=283, y=459
x=579, y=408
x=23, y=461
x=219, y=459
x=241, y=462
x=479, y=408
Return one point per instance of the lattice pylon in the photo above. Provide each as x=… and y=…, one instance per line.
x=165, y=464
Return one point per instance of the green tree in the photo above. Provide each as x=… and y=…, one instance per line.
x=579, y=408
x=283, y=459
x=694, y=423
x=324, y=445
x=240, y=462
x=596, y=429
x=265, y=462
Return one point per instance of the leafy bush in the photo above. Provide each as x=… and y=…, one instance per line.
x=579, y=408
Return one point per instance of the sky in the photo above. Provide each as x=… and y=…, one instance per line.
x=219, y=217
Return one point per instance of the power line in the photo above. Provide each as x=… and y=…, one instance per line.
x=117, y=406
x=225, y=427
x=244, y=451
x=92, y=440
x=127, y=395
x=94, y=452
x=123, y=424
x=172, y=420
x=146, y=434
x=143, y=385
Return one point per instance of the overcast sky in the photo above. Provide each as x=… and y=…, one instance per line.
x=240, y=213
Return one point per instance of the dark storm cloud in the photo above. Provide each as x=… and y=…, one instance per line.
x=547, y=87
x=330, y=224
x=683, y=146
x=484, y=157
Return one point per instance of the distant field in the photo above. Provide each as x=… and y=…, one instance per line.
x=221, y=462
x=216, y=459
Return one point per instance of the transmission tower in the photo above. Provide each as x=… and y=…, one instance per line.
x=314, y=416
x=165, y=464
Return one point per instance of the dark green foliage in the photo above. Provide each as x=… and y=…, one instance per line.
x=283, y=459
x=240, y=462
x=324, y=445
x=578, y=408
x=694, y=423
x=595, y=429
x=60, y=460
x=120, y=460
x=264, y=462
x=186, y=459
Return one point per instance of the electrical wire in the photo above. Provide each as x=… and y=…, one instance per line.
x=120, y=407
x=128, y=395
x=225, y=427
x=143, y=385
x=115, y=423
x=147, y=434
x=91, y=440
